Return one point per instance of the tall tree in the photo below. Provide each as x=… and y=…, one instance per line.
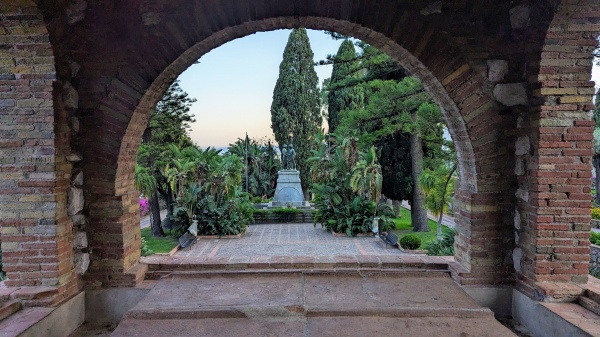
x=296, y=109
x=341, y=97
x=168, y=124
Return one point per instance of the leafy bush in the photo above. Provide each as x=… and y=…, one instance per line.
x=410, y=241
x=145, y=250
x=595, y=238
x=442, y=247
x=596, y=213
x=286, y=210
x=595, y=272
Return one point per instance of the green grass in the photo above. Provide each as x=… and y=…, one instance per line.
x=159, y=245
x=403, y=227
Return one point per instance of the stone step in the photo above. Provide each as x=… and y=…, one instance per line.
x=586, y=321
x=309, y=303
x=9, y=307
x=159, y=266
x=591, y=296
x=22, y=320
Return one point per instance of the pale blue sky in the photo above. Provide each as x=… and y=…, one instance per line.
x=234, y=85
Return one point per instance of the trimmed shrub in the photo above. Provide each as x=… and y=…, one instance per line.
x=410, y=241
x=596, y=213
x=595, y=238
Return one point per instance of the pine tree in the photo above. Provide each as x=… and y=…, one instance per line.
x=342, y=97
x=296, y=109
x=168, y=124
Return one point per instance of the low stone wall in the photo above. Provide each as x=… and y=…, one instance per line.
x=595, y=257
x=265, y=218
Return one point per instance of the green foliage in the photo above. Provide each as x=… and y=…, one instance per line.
x=340, y=97
x=144, y=248
x=442, y=247
x=167, y=128
x=285, y=210
x=263, y=164
x=410, y=241
x=347, y=185
x=596, y=213
x=296, y=108
x=595, y=238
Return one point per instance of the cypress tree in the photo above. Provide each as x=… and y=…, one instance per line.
x=296, y=108
x=343, y=97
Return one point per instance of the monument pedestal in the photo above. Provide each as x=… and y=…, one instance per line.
x=289, y=190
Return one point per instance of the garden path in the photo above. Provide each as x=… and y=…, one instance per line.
x=289, y=239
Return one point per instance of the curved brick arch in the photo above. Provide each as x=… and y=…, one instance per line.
x=34, y=144
x=455, y=83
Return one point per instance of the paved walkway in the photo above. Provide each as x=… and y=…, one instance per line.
x=145, y=221
x=290, y=239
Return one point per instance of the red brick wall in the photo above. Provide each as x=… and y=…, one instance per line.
x=555, y=221
x=34, y=173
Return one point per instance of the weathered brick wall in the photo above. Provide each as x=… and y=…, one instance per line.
x=517, y=117
x=34, y=173
x=552, y=216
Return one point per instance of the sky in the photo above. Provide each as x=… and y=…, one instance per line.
x=234, y=83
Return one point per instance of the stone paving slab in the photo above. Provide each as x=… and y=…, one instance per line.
x=354, y=291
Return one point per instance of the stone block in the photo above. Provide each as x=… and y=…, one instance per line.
x=522, y=146
x=76, y=11
x=74, y=157
x=497, y=70
x=78, y=219
x=80, y=240
x=82, y=263
x=511, y=94
x=75, y=200
x=519, y=17
x=78, y=179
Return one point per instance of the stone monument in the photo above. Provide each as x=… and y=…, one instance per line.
x=288, y=191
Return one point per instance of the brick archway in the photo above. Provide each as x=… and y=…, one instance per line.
x=113, y=61
x=454, y=82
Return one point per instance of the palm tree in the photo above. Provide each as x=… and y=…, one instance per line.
x=366, y=178
x=435, y=185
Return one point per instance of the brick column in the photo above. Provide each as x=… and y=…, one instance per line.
x=34, y=173
x=554, y=248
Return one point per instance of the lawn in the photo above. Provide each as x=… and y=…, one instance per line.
x=403, y=227
x=158, y=245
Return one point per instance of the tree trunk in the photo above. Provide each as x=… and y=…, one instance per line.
x=170, y=200
x=155, y=223
x=596, y=163
x=418, y=213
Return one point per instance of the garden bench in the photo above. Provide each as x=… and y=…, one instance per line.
x=389, y=238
